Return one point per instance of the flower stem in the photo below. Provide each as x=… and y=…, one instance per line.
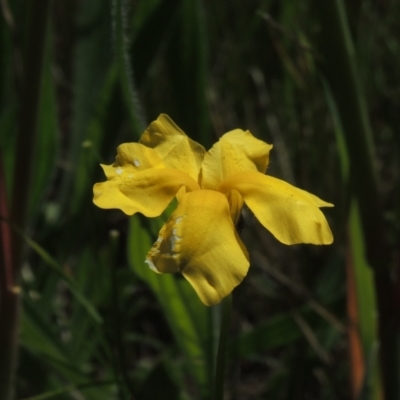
x=126, y=77
x=226, y=308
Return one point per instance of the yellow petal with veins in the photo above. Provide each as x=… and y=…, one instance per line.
x=137, y=156
x=200, y=240
x=148, y=192
x=292, y=215
x=175, y=148
x=131, y=158
x=235, y=151
x=139, y=182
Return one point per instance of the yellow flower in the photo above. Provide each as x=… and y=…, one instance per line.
x=199, y=239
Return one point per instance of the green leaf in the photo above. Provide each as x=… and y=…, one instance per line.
x=367, y=310
x=47, y=132
x=366, y=305
x=189, y=319
x=39, y=336
x=69, y=389
x=276, y=331
x=54, y=265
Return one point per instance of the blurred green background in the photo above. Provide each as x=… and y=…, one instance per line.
x=81, y=315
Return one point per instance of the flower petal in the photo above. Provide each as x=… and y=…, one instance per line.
x=235, y=151
x=235, y=201
x=148, y=192
x=175, y=148
x=137, y=156
x=292, y=215
x=200, y=240
x=139, y=182
x=131, y=158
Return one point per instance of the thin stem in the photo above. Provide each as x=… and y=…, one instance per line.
x=66, y=389
x=9, y=299
x=121, y=365
x=226, y=306
x=126, y=77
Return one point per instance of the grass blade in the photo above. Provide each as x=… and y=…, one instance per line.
x=127, y=82
x=361, y=297
x=67, y=389
x=343, y=77
x=189, y=319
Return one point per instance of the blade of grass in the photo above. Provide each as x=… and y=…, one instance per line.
x=189, y=319
x=342, y=74
x=356, y=350
x=67, y=389
x=39, y=336
x=47, y=129
x=366, y=306
x=44, y=339
x=26, y=138
x=219, y=380
x=55, y=266
x=361, y=296
x=128, y=87
x=121, y=366
x=276, y=331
